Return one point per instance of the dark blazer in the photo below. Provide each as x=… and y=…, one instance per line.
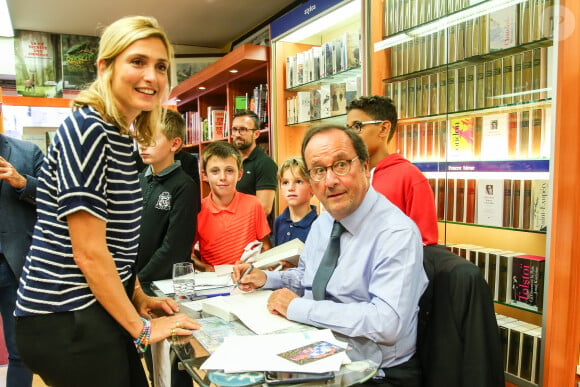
x=18, y=210
x=458, y=340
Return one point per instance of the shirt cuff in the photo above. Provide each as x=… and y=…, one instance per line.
x=299, y=309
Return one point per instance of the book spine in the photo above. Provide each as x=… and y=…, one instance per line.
x=517, y=204
x=507, y=203
x=488, y=92
x=524, y=134
x=527, y=204
x=450, y=205
x=425, y=98
x=512, y=135
x=460, y=201
x=527, y=75
x=517, y=77
x=442, y=92
x=508, y=80
x=525, y=25
x=452, y=90
x=470, y=201
x=480, y=86
x=441, y=199
x=536, y=133
x=470, y=84
x=497, y=81
x=461, y=89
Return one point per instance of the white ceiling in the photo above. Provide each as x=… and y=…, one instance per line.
x=205, y=23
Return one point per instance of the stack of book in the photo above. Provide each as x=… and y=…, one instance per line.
x=521, y=346
x=514, y=278
x=323, y=61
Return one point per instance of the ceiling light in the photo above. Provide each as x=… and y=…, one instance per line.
x=233, y=71
x=201, y=87
x=5, y=22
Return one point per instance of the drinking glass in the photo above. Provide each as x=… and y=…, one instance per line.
x=183, y=281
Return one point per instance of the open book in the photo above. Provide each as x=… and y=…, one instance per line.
x=289, y=252
x=249, y=308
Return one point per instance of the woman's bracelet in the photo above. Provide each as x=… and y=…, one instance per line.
x=142, y=342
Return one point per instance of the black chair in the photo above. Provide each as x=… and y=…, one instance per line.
x=458, y=341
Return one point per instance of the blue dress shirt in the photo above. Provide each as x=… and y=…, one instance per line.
x=375, y=289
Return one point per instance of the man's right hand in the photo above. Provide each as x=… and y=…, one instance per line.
x=255, y=279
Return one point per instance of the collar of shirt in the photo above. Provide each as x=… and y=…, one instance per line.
x=232, y=207
x=353, y=222
x=149, y=171
x=304, y=222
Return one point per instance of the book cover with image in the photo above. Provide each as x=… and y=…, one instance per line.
x=460, y=141
x=494, y=141
x=490, y=196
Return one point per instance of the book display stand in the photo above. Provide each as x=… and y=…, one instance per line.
x=208, y=99
x=475, y=86
x=473, y=83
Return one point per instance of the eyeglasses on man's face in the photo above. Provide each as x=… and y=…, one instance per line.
x=339, y=168
x=358, y=125
x=242, y=130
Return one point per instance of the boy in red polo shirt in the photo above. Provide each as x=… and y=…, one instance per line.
x=228, y=219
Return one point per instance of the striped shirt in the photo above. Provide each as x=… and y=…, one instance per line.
x=89, y=167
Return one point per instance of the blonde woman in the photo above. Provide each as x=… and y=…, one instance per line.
x=81, y=314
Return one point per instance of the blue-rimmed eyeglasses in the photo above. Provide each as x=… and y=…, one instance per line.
x=339, y=168
x=358, y=125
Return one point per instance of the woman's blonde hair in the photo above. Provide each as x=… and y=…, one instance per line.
x=114, y=40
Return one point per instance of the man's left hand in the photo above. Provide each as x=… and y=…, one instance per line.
x=279, y=301
x=11, y=175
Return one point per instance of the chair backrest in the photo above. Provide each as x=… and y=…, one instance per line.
x=458, y=341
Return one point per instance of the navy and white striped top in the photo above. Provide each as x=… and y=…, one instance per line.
x=88, y=167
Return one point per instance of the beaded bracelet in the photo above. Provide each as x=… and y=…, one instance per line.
x=142, y=342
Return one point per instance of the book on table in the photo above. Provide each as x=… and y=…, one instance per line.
x=289, y=251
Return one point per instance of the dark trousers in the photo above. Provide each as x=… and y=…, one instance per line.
x=82, y=348
x=18, y=374
x=407, y=374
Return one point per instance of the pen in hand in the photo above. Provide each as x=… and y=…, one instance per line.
x=248, y=270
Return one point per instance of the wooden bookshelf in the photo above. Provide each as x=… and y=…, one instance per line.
x=235, y=74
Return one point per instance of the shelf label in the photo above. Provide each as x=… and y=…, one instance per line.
x=485, y=166
x=300, y=14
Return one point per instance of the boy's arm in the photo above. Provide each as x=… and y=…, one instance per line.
x=199, y=265
x=266, y=243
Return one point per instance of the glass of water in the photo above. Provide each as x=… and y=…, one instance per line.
x=183, y=281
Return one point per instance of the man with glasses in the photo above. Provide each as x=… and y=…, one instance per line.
x=375, y=120
x=259, y=170
x=361, y=271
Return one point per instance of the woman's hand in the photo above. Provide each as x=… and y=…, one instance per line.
x=176, y=325
x=154, y=306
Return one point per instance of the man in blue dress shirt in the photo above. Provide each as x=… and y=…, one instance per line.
x=375, y=288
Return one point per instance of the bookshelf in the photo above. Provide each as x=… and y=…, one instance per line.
x=317, y=67
x=474, y=83
x=241, y=77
